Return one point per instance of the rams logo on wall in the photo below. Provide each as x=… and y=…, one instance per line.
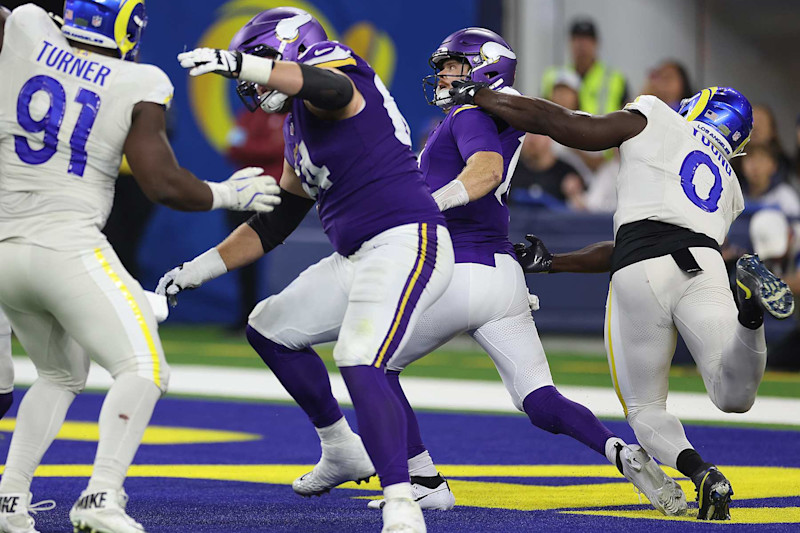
x=210, y=96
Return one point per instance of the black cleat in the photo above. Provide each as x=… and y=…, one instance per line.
x=756, y=285
x=714, y=493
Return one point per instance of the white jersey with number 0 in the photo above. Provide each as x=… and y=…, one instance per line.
x=670, y=172
x=64, y=117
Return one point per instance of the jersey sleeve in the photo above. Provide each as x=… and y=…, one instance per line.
x=643, y=104
x=156, y=86
x=25, y=27
x=474, y=131
x=329, y=54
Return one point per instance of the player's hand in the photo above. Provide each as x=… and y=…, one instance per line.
x=463, y=92
x=204, y=60
x=535, y=258
x=248, y=189
x=204, y=267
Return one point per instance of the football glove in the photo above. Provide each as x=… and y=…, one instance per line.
x=535, y=259
x=191, y=275
x=204, y=60
x=463, y=92
x=248, y=189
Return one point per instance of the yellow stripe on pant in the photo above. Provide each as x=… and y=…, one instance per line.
x=137, y=313
x=611, y=354
x=399, y=315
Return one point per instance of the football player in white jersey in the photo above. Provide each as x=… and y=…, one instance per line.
x=6, y=364
x=70, y=106
x=677, y=197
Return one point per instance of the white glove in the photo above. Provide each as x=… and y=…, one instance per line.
x=454, y=194
x=227, y=63
x=204, y=60
x=158, y=302
x=246, y=190
x=533, y=302
x=191, y=275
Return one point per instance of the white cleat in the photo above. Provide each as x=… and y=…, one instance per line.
x=103, y=511
x=344, y=461
x=640, y=469
x=15, y=512
x=430, y=492
x=402, y=515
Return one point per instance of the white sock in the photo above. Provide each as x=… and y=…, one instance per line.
x=422, y=465
x=40, y=417
x=336, y=432
x=611, y=449
x=398, y=490
x=124, y=417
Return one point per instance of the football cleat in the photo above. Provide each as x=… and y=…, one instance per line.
x=343, y=461
x=714, y=493
x=640, y=469
x=756, y=285
x=430, y=492
x=402, y=515
x=16, y=509
x=103, y=511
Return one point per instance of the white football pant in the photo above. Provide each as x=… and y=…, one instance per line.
x=491, y=304
x=6, y=364
x=68, y=307
x=649, y=302
x=369, y=301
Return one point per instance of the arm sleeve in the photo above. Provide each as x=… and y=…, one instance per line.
x=325, y=89
x=474, y=131
x=273, y=227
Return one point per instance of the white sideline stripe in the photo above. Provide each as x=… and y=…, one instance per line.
x=435, y=393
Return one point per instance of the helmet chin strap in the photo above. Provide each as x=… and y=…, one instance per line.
x=443, y=98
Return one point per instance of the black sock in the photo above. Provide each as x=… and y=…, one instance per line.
x=690, y=463
x=751, y=315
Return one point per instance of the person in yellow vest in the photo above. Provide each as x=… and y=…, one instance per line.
x=603, y=89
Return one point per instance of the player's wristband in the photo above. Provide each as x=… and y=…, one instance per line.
x=206, y=266
x=454, y=194
x=221, y=195
x=256, y=69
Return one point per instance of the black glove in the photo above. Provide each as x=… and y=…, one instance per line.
x=463, y=92
x=535, y=259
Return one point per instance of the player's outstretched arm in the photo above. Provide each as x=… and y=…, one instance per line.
x=165, y=182
x=330, y=93
x=247, y=243
x=536, y=115
x=536, y=259
x=4, y=13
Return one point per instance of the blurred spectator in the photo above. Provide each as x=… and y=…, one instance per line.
x=777, y=243
x=669, y=82
x=765, y=132
x=761, y=188
x=543, y=176
x=256, y=141
x=602, y=89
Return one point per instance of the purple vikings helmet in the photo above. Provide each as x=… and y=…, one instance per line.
x=488, y=55
x=722, y=113
x=280, y=33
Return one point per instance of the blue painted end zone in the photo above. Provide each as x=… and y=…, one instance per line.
x=199, y=505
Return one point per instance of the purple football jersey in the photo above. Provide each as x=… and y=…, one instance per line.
x=479, y=229
x=361, y=170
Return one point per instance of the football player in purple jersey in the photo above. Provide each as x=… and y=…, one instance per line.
x=348, y=150
x=468, y=162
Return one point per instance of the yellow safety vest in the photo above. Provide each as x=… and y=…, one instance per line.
x=602, y=89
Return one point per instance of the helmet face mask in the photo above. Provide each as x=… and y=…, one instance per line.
x=113, y=24
x=280, y=33
x=489, y=57
x=724, y=115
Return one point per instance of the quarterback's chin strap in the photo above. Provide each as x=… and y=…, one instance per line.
x=454, y=194
x=273, y=227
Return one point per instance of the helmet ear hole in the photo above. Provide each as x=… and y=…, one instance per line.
x=492, y=74
x=301, y=48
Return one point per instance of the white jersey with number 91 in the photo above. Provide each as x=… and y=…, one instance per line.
x=671, y=173
x=64, y=117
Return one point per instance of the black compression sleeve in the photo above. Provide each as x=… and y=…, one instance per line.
x=275, y=226
x=325, y=89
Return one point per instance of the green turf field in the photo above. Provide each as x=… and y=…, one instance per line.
x=212, y=345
